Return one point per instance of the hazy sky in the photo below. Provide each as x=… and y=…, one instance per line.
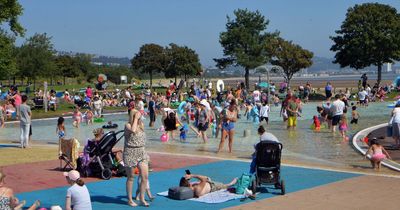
x=119, y=28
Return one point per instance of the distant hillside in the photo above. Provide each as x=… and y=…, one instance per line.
x=110, y=60
x=326, y=64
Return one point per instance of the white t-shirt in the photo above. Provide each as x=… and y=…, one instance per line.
x=396, y=115
x=127, y=94
x=80, y=198
x=264, y=111
x=337, y=107
x=97, y=104
x=362, y=95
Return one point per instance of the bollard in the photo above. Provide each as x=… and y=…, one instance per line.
x=246, y=133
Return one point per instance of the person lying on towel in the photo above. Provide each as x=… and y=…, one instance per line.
x=206, y=185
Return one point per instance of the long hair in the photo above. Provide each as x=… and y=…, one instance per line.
x=60, y=121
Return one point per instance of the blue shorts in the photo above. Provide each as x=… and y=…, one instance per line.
x=228, y=126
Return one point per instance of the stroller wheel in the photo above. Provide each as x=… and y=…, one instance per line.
x=283, y=191
x=106, y=173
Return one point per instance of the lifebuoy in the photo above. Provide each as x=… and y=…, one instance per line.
x=181, y=108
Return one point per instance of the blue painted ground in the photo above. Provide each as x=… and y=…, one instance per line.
x=111, y=194
x=8, y=146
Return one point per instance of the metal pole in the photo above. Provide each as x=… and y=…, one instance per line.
x=268, y=89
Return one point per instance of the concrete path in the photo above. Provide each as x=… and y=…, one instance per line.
x=364, y=192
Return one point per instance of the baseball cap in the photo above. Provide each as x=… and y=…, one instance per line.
x=72, y=175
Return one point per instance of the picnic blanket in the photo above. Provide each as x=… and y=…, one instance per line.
x=219, y=196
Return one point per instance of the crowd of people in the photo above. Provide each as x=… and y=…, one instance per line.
x=199, y=109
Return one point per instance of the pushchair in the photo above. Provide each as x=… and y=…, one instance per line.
x=268, y=166
x=101, y=162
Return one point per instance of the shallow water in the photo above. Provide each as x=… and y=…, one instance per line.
x=300, y=145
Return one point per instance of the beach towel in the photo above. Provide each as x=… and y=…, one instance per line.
x=220, y=196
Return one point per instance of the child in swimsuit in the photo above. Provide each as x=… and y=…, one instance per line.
x=316, y=123
x=77, y=118
x=354, y=115
x=89, y=116
x=378, y=154
x=343, y=126
x=60, y=130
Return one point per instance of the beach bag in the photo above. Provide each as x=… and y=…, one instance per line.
x=180, y=193
x=243, y=183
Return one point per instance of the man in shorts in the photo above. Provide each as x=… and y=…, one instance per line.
x=206, y=185
x=337, y=111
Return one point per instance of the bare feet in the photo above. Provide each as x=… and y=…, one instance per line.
x=144, y=203
x=131, y=203
x=20, y=204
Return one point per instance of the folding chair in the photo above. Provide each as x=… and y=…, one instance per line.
x=68, y=152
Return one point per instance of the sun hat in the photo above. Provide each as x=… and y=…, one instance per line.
x=205, y=103
x=72, y=175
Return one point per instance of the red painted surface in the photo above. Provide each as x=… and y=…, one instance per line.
x=43, y=175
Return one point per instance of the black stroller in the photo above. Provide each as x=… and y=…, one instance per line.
x=101, y=157
x=268, y=166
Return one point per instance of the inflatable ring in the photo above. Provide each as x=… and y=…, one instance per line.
x=108, y=126
x=98, y=120
x=321, y=127
x=181, y=108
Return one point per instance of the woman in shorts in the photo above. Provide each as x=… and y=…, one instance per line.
x=228, y=119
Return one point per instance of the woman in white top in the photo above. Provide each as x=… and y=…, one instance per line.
x=396, y=124
x=78, y=197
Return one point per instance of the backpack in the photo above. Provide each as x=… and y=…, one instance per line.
x=243, y=183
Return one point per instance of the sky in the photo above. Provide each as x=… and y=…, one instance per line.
x=120, y=28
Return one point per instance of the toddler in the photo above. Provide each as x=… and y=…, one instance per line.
x=183, y=130
x=89, y=116
x=77, y=116
x=316, y=123
x=343, y=127
x=378, y=154
x=354, y=115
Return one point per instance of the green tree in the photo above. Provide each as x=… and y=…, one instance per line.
x=370, y=35
x=245, y=41
x=8, y=65
x=150, y=58
x=35, y=58
x=67, y=66
x=83, y=63
x=291, y=57
x=183, y=62
x=9, y=12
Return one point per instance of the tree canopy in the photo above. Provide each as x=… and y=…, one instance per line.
x=245, y=41
x=370, y=35
x=183, y=62
x=35, y=57
x=8, y=64
x=291, y=57
x=9, y=12
x=150, y=58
